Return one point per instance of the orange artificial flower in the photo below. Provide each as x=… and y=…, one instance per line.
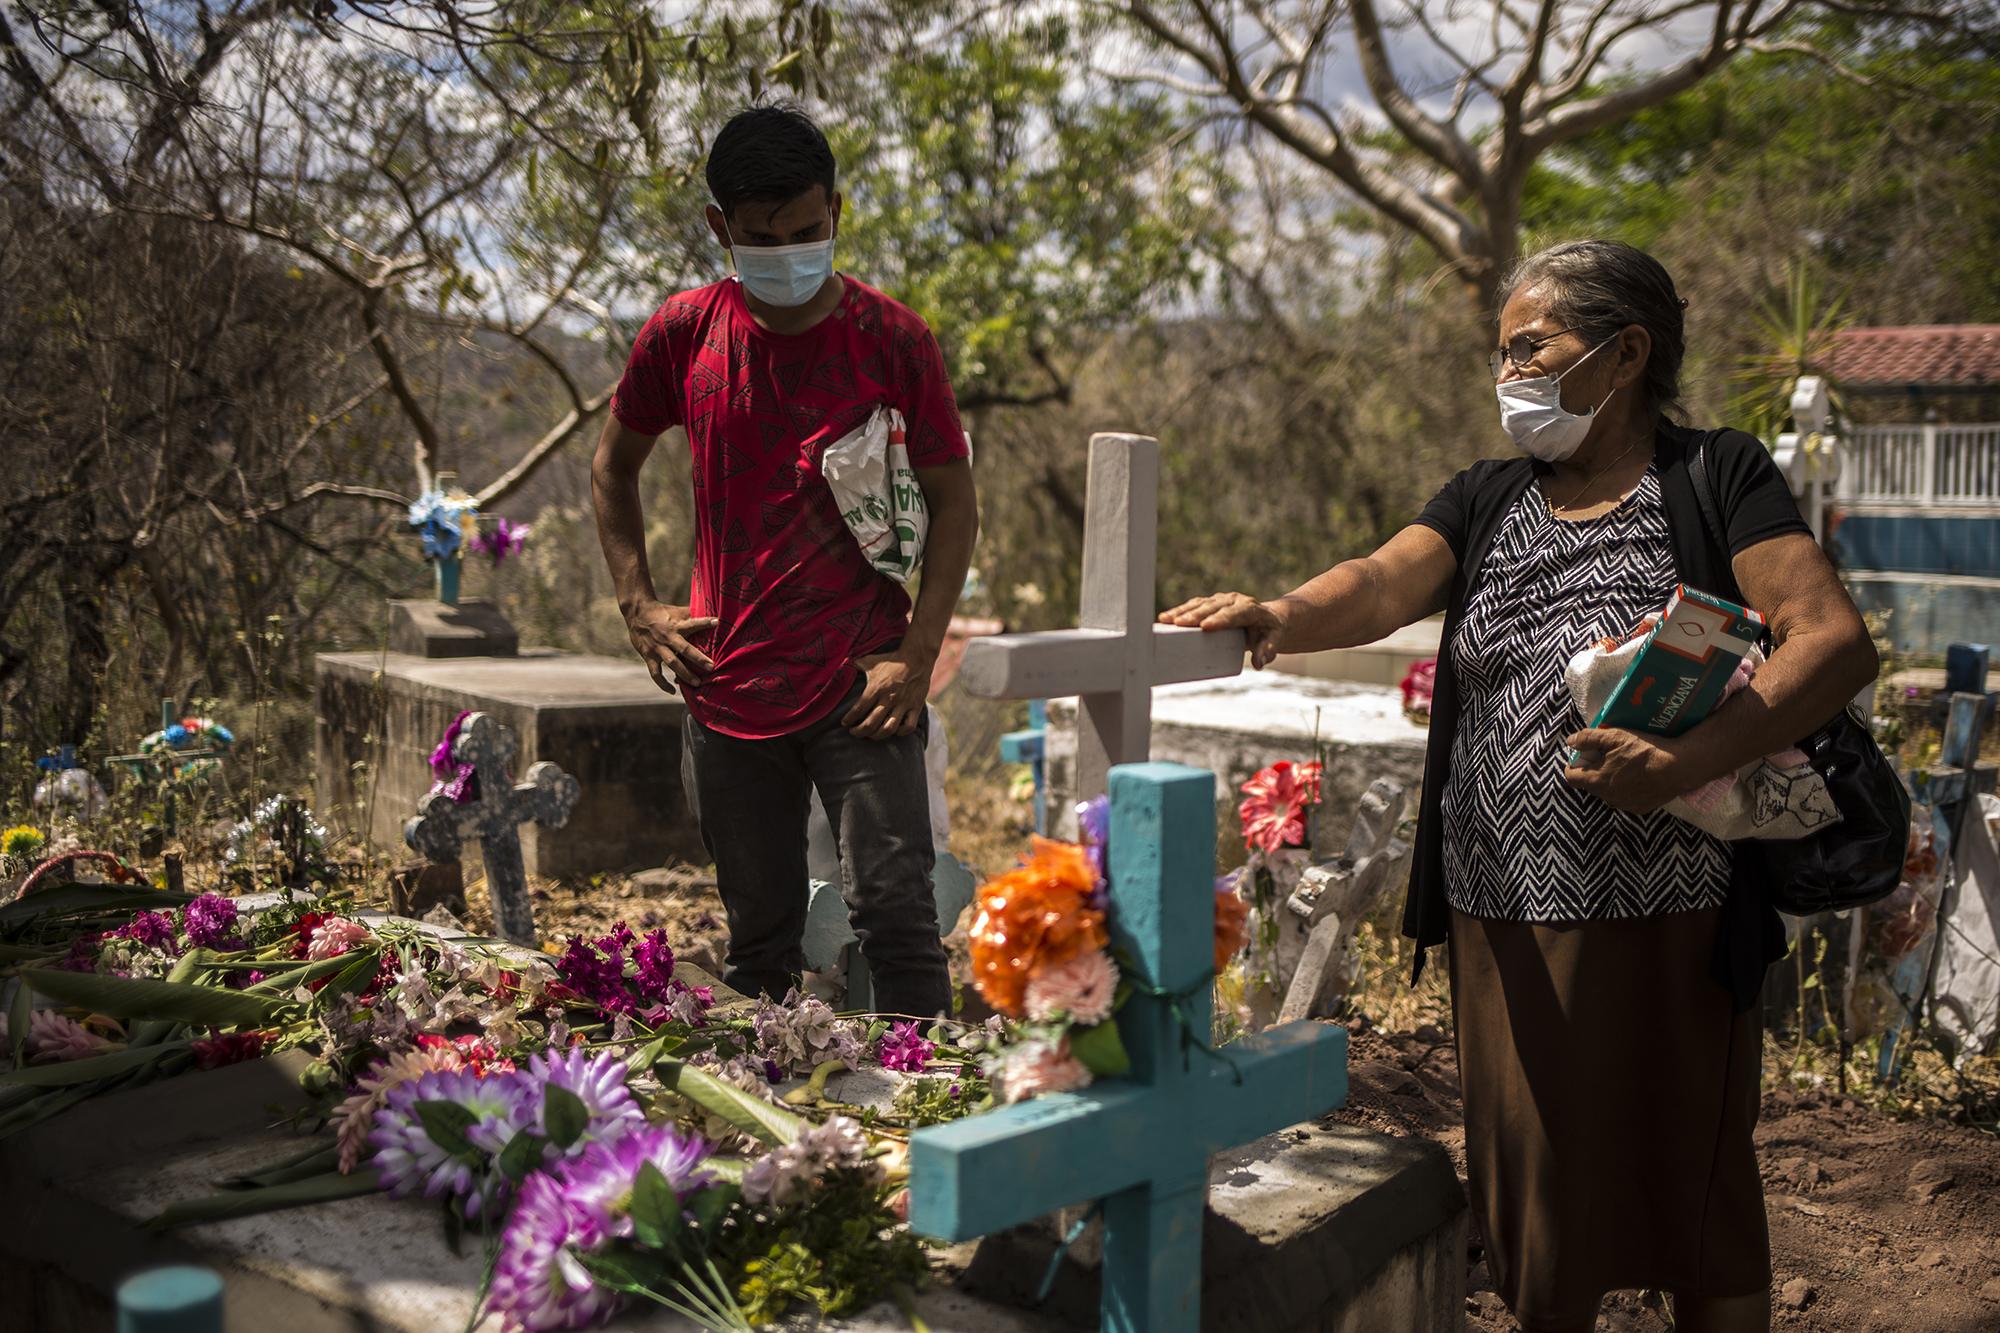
x=1031, y=918
x=1232, y=926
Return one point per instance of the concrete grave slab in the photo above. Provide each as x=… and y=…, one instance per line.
x=1315, y=1227
x=1236, y=726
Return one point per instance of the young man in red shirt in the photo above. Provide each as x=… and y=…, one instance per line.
x=803, y=668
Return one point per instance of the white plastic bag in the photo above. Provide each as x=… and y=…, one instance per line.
x=869, y=473
x=1778, y=797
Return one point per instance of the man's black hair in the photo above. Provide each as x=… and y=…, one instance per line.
x=768, y=155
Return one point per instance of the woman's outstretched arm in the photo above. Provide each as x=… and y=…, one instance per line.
x=1355, y=602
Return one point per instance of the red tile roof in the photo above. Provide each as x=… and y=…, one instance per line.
x=1929, y=355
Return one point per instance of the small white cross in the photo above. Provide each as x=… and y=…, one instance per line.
x=1116, y=657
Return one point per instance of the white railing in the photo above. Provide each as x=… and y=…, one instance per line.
x=1945, y=466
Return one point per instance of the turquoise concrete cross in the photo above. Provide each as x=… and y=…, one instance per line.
x=1140, y=1143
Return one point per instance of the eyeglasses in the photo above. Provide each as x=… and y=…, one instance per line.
x=1520, y=349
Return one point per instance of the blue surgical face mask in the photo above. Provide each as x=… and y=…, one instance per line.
x=782, y=275
x=1532, y=413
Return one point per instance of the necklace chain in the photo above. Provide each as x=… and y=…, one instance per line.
x=1587, y=481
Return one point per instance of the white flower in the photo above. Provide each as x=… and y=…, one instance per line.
x=787, y=1173
x=1033, y=1068
x=1082, y=988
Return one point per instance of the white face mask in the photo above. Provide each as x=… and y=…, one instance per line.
x=1531, y=410
x=782, y=275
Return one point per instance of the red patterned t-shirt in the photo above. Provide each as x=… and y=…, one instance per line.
x=795, y=601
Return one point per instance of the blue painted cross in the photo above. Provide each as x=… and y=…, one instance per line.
x=1140, y=1143
x=1030, y=747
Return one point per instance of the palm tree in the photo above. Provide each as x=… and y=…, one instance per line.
x=1798, y=327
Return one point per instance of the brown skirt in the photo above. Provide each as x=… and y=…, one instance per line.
x=1610, y=1096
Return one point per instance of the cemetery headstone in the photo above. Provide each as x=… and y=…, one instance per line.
x=1118, y=654
x=1316, y=932
x=442, y=826
x=472, y=628
x=1140, y=1144
x=832, y=947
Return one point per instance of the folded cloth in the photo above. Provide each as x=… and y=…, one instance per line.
x=1778, y=796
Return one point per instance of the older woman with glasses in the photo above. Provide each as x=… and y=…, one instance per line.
x=1605, y=957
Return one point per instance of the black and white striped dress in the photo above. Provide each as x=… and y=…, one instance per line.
x=1521, y=844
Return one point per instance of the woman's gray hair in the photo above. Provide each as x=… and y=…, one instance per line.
x=1600, y=287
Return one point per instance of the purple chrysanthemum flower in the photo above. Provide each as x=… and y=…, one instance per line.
x=655, y=959
x=155, y=930
x=539, y=1281
x=903, y=1048
x=601, y=1180
x=412, y=1163
x=598, y=1082
x=209, y=921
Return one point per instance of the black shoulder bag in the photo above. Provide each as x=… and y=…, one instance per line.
x=1860, y=859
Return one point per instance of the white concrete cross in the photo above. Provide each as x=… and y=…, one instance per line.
x=1117, y=655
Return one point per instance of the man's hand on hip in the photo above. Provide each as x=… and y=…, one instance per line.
x=661, y=634
x=893, y=693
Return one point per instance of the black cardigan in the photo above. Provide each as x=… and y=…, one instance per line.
x=1467, y=513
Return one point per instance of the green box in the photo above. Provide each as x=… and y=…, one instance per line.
x=1678, y=677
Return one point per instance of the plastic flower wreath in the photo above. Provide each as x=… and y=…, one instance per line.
x=266, y=821
x=1040, y=955
x=505, y=538
x=441, y=520
x=1418, y=684
x=190, y=733
x=1034, y=917
x=1275, y=804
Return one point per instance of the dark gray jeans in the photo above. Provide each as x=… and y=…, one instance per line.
x=751, y=798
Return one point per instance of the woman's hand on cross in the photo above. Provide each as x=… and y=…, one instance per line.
x=1263, y=623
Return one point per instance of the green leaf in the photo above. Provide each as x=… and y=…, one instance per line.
x=454, y=1230
x=644, y=1058
x=564, y=1115
x=446, y=1123
x=728, y=1170
x=656, y=1211
x=135, y=997
x=312, y=1161
x=23, y=953
x=710, y=1206
x=629, y=1269
x=290, y=978
x=45, y=1105
x=153, y=1031
x=324, y=1188
x=753, y=1115
x=74, y=897
x=360, y=967
x=69, y=1073
x=523, y=1153
x=1100, y=1049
